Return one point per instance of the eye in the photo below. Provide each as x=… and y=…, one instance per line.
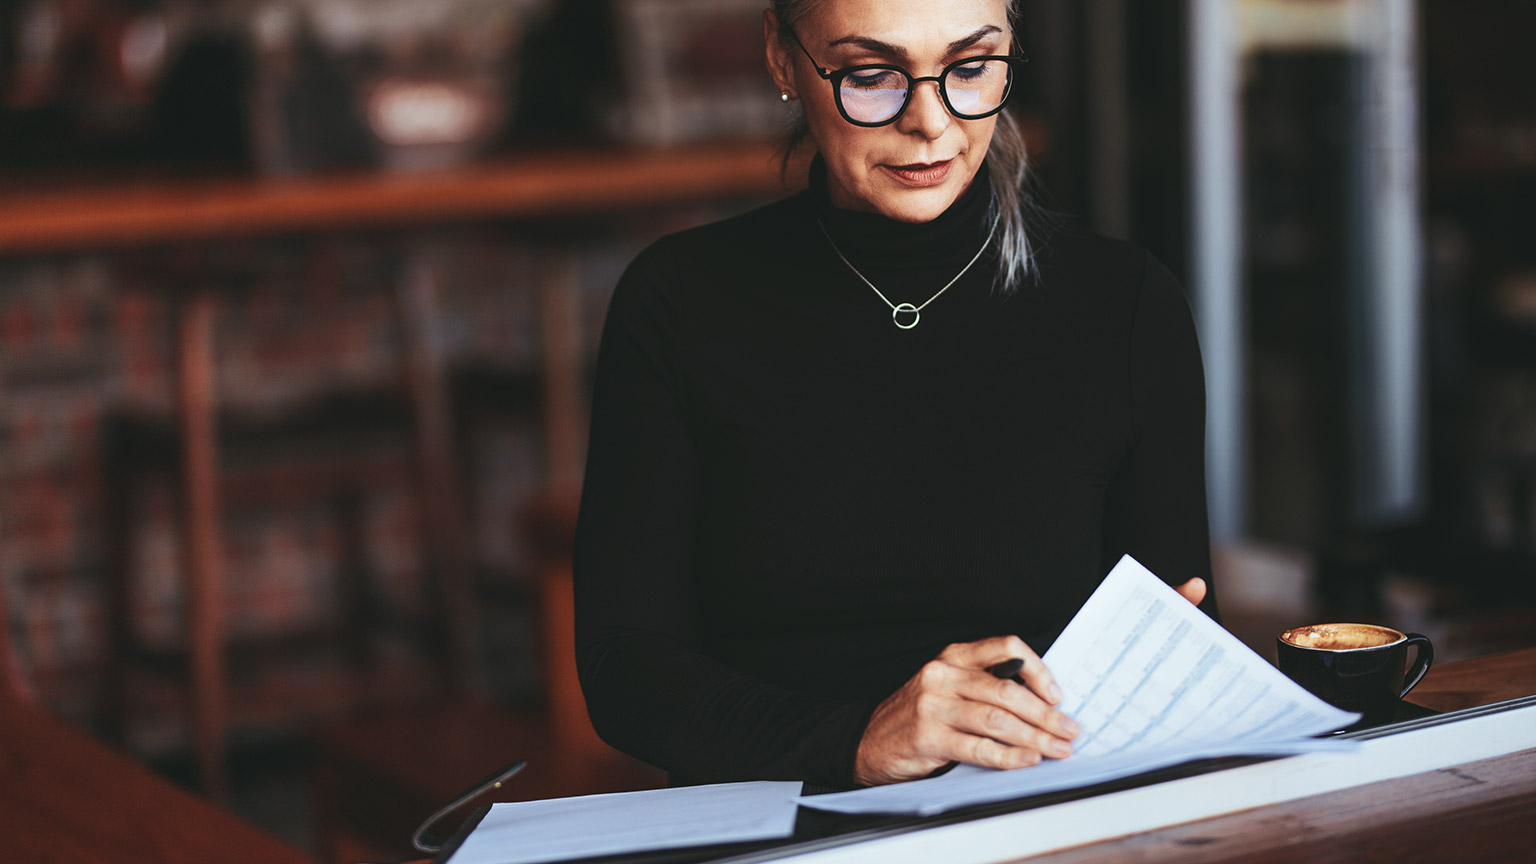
x=971, y=71
x=874, y=79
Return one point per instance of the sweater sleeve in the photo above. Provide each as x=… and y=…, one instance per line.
x=1156, y=509
x=651, y=689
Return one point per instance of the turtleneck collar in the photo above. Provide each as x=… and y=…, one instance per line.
x=954, y=234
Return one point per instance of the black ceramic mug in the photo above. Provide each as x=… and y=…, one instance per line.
x=1357, y=667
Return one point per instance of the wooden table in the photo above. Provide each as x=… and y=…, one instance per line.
x=1484, y=811
x=1479, y=681
x=66, y=798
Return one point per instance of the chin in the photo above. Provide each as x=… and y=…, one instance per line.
x=917, y=205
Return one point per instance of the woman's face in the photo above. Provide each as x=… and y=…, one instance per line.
x=915, y=167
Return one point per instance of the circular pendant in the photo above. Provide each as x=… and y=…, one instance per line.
x=901, y=309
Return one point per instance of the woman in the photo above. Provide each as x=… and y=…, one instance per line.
x=853, y=448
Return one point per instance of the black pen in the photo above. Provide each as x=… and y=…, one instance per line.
x=1008, y=669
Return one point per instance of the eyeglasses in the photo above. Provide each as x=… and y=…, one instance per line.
x=875, y=94
x=425, y=837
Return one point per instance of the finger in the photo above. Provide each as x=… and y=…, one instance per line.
x=988, y=652
x=1023, y=704
x=1193, y=590
x=1038, y=678
x=1003, y=727
x=984, y=751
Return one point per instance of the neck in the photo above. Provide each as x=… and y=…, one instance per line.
x=875, y=242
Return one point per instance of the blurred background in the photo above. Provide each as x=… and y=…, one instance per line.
x=299, y=298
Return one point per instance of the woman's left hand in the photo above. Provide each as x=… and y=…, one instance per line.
x=1193, y=590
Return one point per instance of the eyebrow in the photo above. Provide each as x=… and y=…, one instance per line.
x=875, y=46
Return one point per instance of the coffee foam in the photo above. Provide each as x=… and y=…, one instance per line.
x=1340, y=637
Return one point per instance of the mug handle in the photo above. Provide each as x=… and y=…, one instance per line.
x=1421, y=663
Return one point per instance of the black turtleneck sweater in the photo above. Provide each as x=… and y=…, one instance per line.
x=791, y=504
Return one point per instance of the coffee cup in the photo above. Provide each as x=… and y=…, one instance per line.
x=1356, y=667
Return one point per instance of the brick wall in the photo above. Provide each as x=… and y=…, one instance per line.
x=81, y=340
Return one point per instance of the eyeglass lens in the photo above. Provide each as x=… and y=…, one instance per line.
x=971, y=90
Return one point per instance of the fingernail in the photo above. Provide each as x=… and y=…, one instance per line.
x=1054, y=692
x=1069, y=726
x=1058, y=749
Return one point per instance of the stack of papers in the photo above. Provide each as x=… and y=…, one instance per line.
x=559, y=829
x=1153, y=682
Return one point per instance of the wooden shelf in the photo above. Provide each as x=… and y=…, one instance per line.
x=538, y=184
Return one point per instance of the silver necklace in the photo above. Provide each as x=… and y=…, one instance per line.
x=900, y=309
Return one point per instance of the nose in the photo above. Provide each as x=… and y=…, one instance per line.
x=925, y=114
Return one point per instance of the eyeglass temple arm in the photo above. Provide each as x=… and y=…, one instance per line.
x=422, y=837
x=820, y=69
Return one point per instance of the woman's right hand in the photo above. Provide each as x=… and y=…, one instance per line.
x=953, y=710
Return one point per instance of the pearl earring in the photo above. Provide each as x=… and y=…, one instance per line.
x=783, y=95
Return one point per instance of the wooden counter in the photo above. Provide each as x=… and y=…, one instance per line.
x=1482, y=811
x=1479, y=681
x=577, y=180
x=67, y=798
x=1477, y=812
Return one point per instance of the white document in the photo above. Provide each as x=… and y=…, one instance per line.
x=1152, y=682
x=559, y=829
x=1141, y=668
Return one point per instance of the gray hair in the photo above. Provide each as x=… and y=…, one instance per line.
x=1007, y=161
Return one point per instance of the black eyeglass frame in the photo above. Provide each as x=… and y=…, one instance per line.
x=836, y=76
x=425, y=838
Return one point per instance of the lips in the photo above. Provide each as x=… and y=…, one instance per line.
x=921, y=173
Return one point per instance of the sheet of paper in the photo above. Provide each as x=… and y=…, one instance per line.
x=968, y=785
x=1153, y=682
x=560, y=829
x=1142, y=668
